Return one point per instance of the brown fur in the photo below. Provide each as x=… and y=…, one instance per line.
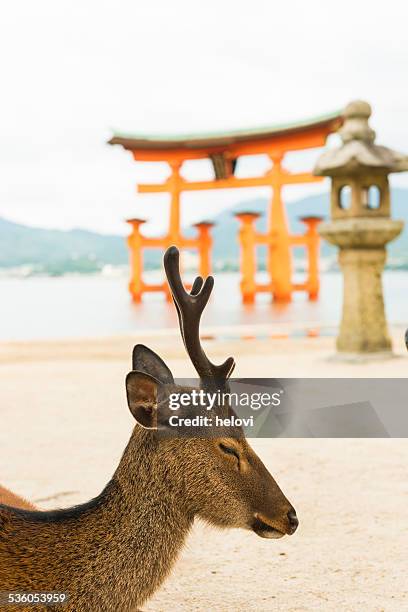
x=10, y=499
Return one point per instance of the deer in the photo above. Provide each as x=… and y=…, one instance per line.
x=114, y=551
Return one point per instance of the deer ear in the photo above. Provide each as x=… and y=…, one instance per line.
x=145, y=360
x=142, y=391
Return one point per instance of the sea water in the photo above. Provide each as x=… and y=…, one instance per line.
x=97, y=305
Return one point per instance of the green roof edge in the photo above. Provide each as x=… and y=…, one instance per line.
x=280, y=127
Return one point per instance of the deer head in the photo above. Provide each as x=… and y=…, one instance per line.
x=221, y=480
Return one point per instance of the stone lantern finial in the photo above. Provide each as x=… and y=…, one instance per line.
x=355, y=126
x=361, y=226
x=359, y=151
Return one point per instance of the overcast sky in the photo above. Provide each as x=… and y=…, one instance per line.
x=73, y=71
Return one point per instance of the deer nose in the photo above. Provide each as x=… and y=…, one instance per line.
x=293, y=521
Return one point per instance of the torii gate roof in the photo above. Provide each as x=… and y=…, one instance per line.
x=224, y=140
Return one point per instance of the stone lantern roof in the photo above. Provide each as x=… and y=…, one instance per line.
x=359, y=151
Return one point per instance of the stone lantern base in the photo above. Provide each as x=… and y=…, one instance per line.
x=363, y=329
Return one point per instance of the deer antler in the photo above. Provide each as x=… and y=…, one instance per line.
x=190, y=307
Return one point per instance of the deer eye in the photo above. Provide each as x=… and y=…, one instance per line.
x=229, y=451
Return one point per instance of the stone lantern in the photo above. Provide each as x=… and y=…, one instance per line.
x=361, y=227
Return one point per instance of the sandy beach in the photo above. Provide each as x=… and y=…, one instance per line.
x=65, y=424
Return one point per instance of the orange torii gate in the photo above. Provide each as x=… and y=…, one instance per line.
x=224, y=149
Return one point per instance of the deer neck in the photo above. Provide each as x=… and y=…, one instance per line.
x=142, y=523
x=113, y=552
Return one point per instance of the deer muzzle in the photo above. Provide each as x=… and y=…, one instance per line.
x=274, y=529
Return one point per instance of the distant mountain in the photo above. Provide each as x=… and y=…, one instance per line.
x=57, y=252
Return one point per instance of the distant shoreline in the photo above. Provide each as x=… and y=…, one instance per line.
x=327, y=265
